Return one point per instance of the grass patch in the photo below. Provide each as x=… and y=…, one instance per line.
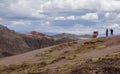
x=60, y=47
x=18, y=65
x=72, y=57
x=69, y=64
x=13, y=67
x=96, y=65
x=100, y=46
x=31, y=58
x=46, y=55
x=65, y=53
x=111, y=56
x=95, y=59
x=117, y=54
x=90, y=45
x=75, y=42
x=57, y=59
x=2, y=60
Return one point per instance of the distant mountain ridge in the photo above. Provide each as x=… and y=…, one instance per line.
x=12, y=43
x=62, y=35
x=86, y=36
x=72, y=36
x=38, y=34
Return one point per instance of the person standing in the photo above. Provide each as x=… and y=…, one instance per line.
x=106, y=32
x=111, y=30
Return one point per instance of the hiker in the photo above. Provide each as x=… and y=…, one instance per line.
x=111, y=30
x=106, y=32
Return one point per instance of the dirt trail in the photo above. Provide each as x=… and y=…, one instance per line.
x=24, y=57
x=89, y=55
x=21, y=57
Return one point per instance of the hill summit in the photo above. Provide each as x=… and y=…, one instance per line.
x=38, y=34
x=12, y=43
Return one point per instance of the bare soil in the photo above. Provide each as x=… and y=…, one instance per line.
x=113, y=45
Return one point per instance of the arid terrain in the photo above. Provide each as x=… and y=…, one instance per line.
x=59, y=36
x=85, y=56
x=13, y=43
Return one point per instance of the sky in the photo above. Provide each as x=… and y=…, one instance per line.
x=61, y=16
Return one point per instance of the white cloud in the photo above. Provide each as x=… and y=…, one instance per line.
x=118, y=16
x=110, y=5
x=45, y=24
x=90, y=16
x=76, y=29
x=101, y=5
x=47, y=11
x=71, y=18
x=1, y=20
x=33, y=8
x=20, y=23
x=60, y=18
x=111, y=17
x=70, y=4
x=107, y=14
x=22, y=8
x=114, y=26
x=66, y=18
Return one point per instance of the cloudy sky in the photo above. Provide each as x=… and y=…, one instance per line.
x=61, y=16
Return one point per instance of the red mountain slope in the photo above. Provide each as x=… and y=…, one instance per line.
x=38, y=34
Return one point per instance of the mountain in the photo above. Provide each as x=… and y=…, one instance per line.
x=12, y=43
x=86, y=36
x=38, y=34
x=72, y=36
x=58, y=36
x=87, y=56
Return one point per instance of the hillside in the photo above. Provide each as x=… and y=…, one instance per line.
x=72, y=36
x=58, y=36
x=91, y=56
x=12, y=43
x=38, y=35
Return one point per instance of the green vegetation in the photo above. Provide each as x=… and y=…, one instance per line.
x=31, y=58
x=13, y=67
x=91, y=45
x=19, y=64
x=13, y=43
x=56, y=60
x=72, y=57
x=65, y=53
x=115, y=54
x=23, y=68
x=98, y=65
x=2, y=60
x=74, y=42
x=59, y=47
x=95, y=59
x=100, y=46
x=47, y=55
